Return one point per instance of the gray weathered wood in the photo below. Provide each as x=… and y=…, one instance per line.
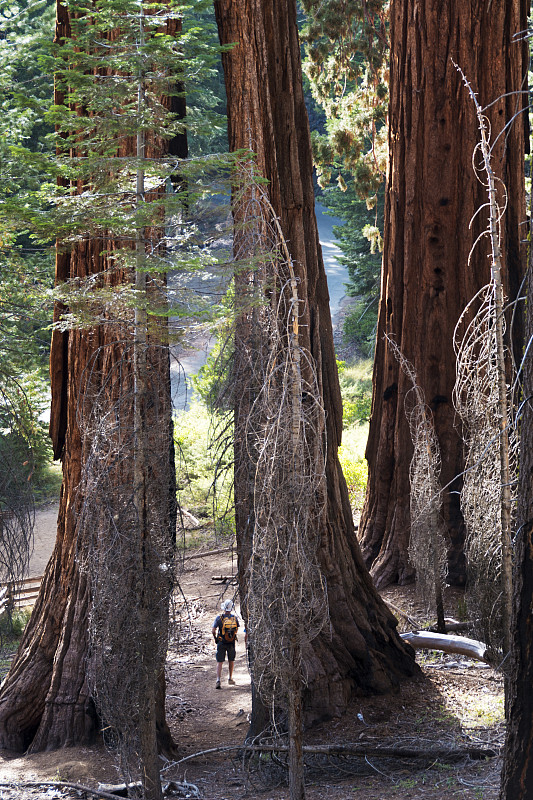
x=425, y=640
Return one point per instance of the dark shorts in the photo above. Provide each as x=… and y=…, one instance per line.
x=223, y=648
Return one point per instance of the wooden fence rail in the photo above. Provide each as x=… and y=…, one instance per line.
x=19, y=594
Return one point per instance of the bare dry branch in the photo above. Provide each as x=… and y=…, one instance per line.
x=427, y=544
x=483, y=401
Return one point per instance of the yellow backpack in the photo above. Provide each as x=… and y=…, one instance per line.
x=229, y=628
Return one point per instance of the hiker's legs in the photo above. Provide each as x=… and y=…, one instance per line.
x=231, y=661
x=220, y=657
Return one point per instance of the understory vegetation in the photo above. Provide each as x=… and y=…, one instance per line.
x=356, y=390
x=11, y=630
x=203, y=465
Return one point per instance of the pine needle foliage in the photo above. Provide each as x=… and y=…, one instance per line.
x=346, y=63
x=118, y=197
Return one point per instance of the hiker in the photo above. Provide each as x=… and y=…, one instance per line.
x=224, y=631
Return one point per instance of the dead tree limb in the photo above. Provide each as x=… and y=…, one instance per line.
x=461, y=645
x=208, y=553
x=361, y=750
x=397, y=610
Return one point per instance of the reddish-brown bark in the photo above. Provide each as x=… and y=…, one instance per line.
x=45, y=701
x=266, y=112
x=431, y=197
x=517, y=773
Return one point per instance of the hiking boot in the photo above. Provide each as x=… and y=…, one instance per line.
x=231, y=681
x=217, y=685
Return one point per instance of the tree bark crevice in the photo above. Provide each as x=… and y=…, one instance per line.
x=361, y=651
x=431, y=196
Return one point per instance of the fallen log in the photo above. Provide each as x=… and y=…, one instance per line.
x=362, y=750
x=224, y=578
x=102, y=791
x=184, y=513
x=82, y=789
x=207, y=553
x=452, y=626
x=459, y=645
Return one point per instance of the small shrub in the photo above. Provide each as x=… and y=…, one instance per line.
x=213, y=383
x=203, y=469
x=356, y=474
x=353, y=462
x=19, y=620
x=358, y=410
x=11, y=630
x=356, y=390
x=46, y=483
x=360, y=327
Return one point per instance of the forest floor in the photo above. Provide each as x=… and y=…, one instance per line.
x=455, y=702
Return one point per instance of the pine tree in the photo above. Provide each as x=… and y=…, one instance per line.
x=119, y=214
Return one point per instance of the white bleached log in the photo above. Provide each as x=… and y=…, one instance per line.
x=461, y=645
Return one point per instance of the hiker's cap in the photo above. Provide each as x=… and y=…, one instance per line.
x=227, y=605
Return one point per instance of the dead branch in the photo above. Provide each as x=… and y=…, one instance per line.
x=452, y=626
x=102, y=793
x=484, y=402
x=224, y=578
x=399, y=611
x=360, y=750
x=427, y=541
x=208, y=553
x=460, y=645
x=59, y=785
x=184, y=513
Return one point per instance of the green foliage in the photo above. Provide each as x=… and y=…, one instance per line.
x=25, y=450
x=358, y=238
x=46, y=482
x=214, y=381
x=203, y=463
x=17, y=623
x=346, y=63
x=26, y=28
x=25, y=270
x=11, y=630
x=360, y=327
x=125, y=71
x=355, y=470
x=356, y=390
x=205, y=90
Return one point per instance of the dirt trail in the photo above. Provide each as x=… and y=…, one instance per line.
x=454, y=702
x=44, y=538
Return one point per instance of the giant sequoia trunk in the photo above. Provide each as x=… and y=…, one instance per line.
x=517, y=773
x=431, y=197
x=45, y=701
x=266, y=113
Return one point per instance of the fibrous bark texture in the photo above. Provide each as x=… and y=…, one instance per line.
x=360, y=650
x=517, y=772
x=431, y=197
x=45, y=702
